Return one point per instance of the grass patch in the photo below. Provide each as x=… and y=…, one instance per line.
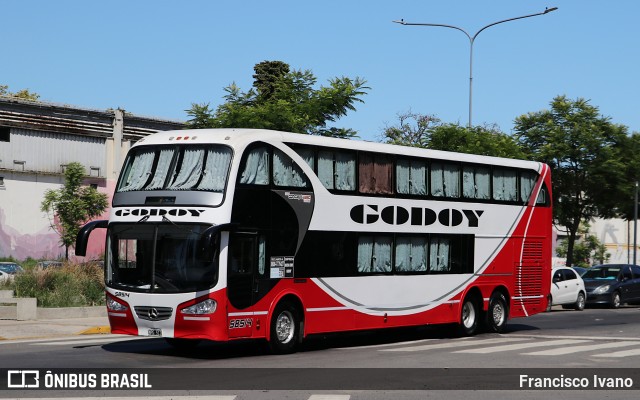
x=72, y=285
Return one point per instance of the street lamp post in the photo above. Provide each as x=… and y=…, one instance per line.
x=472, y=40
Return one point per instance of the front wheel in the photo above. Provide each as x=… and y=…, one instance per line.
x=616, y=300
x=497, y=314
x=469, y=316
x=285, y=329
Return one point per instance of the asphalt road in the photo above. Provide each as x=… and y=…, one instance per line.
x=366, y=364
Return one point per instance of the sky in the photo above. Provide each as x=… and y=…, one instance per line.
x=155, y=57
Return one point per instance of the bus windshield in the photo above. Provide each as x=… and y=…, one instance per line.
x=184, y=167
x=161, y=258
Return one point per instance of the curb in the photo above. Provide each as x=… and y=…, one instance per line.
x=96, y=330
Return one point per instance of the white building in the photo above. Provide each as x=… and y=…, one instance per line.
x=37, y=141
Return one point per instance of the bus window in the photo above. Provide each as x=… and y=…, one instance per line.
x=476, y=182
x=337, y=170
x=504, y=185
x=445, y=180
x=411, y=177
x=308, y=155
x=256, y=167
x=439, y=255
x=286, y=172
x=527, y=182
x=176, y=168
x=374, y=254
x=411, y=254
x=375, y=173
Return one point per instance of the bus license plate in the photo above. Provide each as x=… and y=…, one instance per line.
x=155, y=332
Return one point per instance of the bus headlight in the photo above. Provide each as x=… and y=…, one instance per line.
x=602, y=289
x=204, y=307
x=113, y=305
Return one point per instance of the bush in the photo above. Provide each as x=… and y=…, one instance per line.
x=69, y=286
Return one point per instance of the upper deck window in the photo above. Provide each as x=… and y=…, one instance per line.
x=176, y=168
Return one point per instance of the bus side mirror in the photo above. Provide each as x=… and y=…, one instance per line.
x=83, y=235
x=209, y=235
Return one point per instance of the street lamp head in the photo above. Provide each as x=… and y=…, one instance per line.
x=548, y=10
x=400, y=22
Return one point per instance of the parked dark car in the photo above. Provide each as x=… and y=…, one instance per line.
x=579, y=270
x=10, y=268
x=612, y=284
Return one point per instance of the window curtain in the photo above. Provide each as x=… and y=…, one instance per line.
x=216, y=170
x=504, y=185
x=403, y=177
x=365, y=254
x=162, y=169
x=256, y=168
x=190, y=170
x=475, y=183
x=262, y=260
x=411, y=254
x=527, y=181
x=439, y=255
x=308, y=156
x=325, y=169
x=374, y=254
x=345, y=171
x=286, y=172
x=445, y=180
x=140, y=171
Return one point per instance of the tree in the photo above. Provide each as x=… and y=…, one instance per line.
x=283, y=100
x=72, y=205
x=420, y=130
x=584, y=151
x=586, y=250
x=23, y=94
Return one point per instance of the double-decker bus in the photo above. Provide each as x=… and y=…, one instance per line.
x=227, y=234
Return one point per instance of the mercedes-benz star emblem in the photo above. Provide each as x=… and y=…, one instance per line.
x=153, y=313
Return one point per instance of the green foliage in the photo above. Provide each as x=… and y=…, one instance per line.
x=69, y=286
x=426, y=131
x=283, y=100
x=72, y=205
x=585, y=153
x=586, y=251
x=23, y=94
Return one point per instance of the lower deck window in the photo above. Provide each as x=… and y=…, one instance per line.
x=333, y=254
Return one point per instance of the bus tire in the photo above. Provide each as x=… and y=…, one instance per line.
x=469, y=316
x=497, y=313
x=284, y=329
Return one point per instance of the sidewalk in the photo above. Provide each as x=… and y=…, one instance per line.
x=10, y=329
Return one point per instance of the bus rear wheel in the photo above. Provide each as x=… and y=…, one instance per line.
x=285, y=329
x=469, y=316
x=497, y=313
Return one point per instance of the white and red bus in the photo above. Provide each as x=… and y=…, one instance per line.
x=225, y=234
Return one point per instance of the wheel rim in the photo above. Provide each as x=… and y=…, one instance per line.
x=468, y=315
x=616, y=300
x=284, y=327
x=498, y=314
x=581, y=301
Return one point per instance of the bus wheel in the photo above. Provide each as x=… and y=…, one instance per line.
x=498, y=313
x=285, y=329
x=469, y=316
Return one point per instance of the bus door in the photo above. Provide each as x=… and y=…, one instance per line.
x=246, y=267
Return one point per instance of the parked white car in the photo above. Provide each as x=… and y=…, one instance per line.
x=567, y=289
x=4, y=277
